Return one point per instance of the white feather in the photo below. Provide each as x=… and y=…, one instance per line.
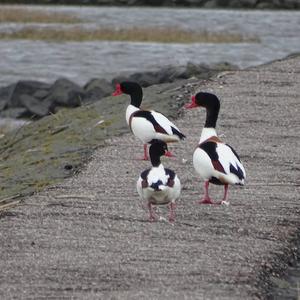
x=166, y=194
x=144, y=129
x=157, y=173
x=129, y=111
x=203, y=165
x=207, y=133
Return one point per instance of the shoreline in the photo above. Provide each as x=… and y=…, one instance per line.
x=209, y=251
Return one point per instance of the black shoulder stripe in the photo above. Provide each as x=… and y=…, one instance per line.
x=144, y=174
x=171, y=178
x=171, y=173
x=149, y=117
x=210, y=149
x=145, y=114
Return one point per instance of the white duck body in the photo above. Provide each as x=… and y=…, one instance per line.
x=216, y=161
x=168, y=189
x=159, y=185
x=151, y=125
x=148, y=126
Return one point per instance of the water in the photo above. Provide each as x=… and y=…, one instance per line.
x=81, y=61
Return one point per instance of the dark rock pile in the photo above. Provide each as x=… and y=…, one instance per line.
x=279, y=4
x=34, y=99
x=37, y=99
x=256, y=4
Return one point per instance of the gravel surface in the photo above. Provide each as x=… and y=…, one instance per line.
x=89, y=237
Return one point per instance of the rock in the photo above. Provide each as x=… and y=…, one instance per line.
x=40, y=94
x=243, y=3
x=24, y=87
x=18, y=101
x=34, y=106
x=265, y=5
x=65, y=93
x=2, y=106
x=278, y=4
x=36, y=99
x=145, y=78
x=223, y=3
x=14, y=113
x=210, y=4
x=172, y=73
x=5, y=93
x=96, y=89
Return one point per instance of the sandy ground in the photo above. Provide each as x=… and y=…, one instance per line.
x=89, y=237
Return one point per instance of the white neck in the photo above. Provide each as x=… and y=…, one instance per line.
x=129, y=111
x=160, y=167
x=207, y=133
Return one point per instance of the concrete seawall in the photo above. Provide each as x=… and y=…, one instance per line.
x=88, y=237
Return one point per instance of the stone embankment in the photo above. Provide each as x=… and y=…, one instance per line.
x=33, y=99
x=256, y=4
x=88, y=237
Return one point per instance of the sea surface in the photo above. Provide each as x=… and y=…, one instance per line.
x=278, y=32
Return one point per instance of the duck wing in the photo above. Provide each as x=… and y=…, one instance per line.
x=171, y=177
x=160, y=123
x=224, y=158
x=166, y=124
x=230, y=161
x=144, y=178
x=148, y=116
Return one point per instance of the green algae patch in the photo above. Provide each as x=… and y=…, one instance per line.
x=45, y=152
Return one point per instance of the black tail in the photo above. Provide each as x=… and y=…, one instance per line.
x=237, y=171
x=156, y=185
x=178, y=133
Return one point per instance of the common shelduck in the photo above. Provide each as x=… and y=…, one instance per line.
x=215, y=161
x=147, y=125
x=159, y=185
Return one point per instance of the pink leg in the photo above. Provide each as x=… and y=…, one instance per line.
x=172, y=212
x=206, y=199
x=224, y=201
x=152, y=216
x=146, y=157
